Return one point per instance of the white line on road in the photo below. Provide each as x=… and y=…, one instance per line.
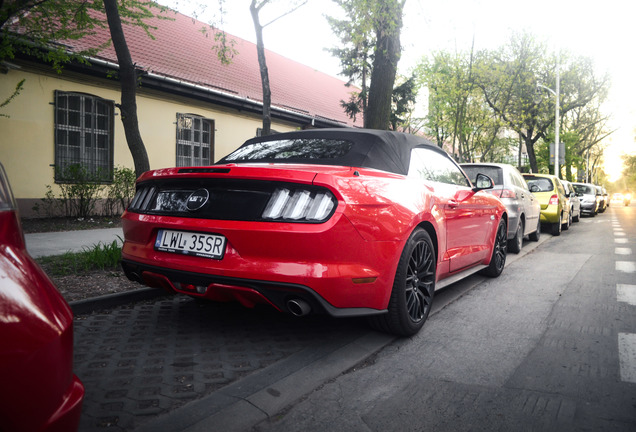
x=626, y=266
x=620, y=240
x=626, y=293
x=627, y=356
x=622, y=251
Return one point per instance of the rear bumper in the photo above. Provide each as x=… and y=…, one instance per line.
x=248, y=292
x=550, y=215
x=330, y=265
x=513, y=223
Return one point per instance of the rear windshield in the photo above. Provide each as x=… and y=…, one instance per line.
x=584, y=190
x=495, y=173
x=544, y=184
x=291, y=149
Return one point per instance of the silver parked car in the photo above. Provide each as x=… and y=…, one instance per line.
x=573, y=199
x=523, y=207
x=587, y=197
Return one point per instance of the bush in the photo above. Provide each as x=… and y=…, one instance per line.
x=120, y=192
x=99, y=257
x=81, y=192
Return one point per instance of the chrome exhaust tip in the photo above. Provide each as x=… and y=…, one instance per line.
x=298, y=307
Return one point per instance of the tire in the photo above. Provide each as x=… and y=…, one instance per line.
x=535, y=236
x=566, y=225
x=515, y=244
x=556, y=229
x=499, y=251
x=413, y=288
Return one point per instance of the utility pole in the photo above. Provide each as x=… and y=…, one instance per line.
x=557, y=142
x=556, y=116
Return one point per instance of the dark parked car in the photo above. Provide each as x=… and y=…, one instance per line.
x=39, y=390
x=346, y=222
x=523, y=208
x=587, y=197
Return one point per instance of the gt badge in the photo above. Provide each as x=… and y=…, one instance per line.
x=197, y=199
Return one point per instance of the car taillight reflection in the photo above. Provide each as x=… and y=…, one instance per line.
x=503, y=193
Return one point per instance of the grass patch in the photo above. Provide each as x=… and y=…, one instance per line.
x=98, y=257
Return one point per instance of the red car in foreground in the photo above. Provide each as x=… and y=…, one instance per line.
x=339, y=221
x=38, y=390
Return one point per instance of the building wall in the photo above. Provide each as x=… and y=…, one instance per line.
x=27, y=127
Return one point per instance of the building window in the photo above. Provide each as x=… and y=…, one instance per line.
x=83, y=136
x=195, y=140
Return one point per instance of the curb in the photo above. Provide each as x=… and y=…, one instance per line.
x=256, y=398
x=90, y=305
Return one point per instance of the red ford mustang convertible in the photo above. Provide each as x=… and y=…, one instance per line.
x=339, y=221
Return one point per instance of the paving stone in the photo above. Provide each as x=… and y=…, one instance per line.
x=144, y=360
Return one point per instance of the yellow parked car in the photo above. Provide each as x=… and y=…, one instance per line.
x=555, y=212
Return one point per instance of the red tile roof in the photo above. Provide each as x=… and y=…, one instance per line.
x=182, y=51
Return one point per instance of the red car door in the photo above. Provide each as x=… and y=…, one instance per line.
x=469, y=217
x=470, y=222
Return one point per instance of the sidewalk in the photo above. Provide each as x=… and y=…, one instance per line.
x=57, y=243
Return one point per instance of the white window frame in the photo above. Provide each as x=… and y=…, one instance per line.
x=84, y=126
x=195, y=140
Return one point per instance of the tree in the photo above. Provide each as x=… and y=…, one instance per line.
x=629, y=172
x=35, y=28
x=255, y=9
x=32, y=27
x=371, y=35
x=403, y=100
x=128, y=79
x=457, y=110
x=355, y=53
x=508, y=78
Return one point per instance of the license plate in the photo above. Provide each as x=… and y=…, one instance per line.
x=191, y=243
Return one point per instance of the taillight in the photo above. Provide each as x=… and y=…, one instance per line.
x=299, y=204
x=554, y=200
x=507, y=193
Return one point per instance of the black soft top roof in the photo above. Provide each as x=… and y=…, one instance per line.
x=382, y=150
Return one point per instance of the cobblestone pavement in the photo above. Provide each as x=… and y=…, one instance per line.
x=143, y=360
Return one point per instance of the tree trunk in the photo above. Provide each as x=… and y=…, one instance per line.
x=532, y=157
x=387, y=55
x=128, y=81
x=260, y=49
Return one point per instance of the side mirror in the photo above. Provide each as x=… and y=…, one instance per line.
x=482, y=181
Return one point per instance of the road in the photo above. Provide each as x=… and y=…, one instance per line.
x=549, y=345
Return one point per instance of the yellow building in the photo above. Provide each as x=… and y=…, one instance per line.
x=192, y=109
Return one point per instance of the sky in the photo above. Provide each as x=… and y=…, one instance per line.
x=603, y=30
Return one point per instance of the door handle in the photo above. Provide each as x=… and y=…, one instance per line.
x=453, y=203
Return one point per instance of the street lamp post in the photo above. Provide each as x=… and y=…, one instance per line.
x=556, y=117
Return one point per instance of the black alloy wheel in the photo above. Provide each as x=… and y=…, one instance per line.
x=413, y=288
x=499, y=251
